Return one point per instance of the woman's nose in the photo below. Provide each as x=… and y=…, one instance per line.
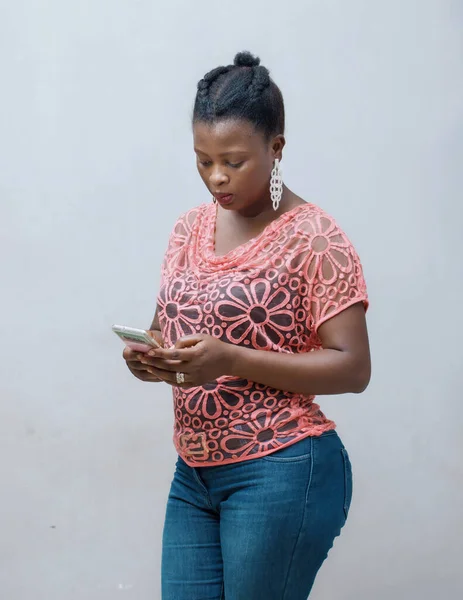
x=218, y=177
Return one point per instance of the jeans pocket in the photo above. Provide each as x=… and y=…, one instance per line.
x=347, y=481
x=296, y=452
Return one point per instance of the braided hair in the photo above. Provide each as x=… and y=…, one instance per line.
x=243, y=90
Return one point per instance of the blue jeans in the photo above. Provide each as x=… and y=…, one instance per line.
x=258, y=529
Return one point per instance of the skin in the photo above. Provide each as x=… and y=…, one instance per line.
x=232, y=157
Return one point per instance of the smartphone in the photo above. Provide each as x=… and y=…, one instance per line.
x=136, y=339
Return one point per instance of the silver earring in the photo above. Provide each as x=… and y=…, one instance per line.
x=276, y=185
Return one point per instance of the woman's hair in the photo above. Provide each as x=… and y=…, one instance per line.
x=243, y=90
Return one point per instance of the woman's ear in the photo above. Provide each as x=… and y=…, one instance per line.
x=278, y=143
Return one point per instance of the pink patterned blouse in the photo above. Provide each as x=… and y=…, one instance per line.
x=271, y=293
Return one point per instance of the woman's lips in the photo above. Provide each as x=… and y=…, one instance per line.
x=224, y=198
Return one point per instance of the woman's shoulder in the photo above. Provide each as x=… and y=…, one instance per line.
x=192, y=214
x=188, y=218
x=313, y=221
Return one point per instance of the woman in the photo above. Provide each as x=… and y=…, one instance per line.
x=261, y=307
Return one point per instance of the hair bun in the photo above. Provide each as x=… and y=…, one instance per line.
x=246, y=59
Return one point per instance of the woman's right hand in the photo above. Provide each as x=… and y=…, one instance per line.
x=134, y=364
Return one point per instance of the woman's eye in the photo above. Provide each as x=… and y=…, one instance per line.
x=207, y=163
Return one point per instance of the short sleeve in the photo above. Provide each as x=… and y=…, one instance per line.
x=175, y=253
x=334, y=273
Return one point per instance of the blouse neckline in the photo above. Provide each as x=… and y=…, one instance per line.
x=246, y=249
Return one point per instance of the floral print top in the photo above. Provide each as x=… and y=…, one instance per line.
x=271, y=294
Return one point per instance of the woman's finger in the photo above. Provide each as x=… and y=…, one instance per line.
x=144, y=376
x=136, y=365
x=129, y=354
x=158, y=363
x=173, y=354
x=189, y=341
x=167, y=376
x=171, y=377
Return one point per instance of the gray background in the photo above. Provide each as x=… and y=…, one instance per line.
x=96, y=163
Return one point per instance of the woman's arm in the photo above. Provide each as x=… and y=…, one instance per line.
x=343, y=365
x=155, y=326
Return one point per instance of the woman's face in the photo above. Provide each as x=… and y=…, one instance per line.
x=235, y=162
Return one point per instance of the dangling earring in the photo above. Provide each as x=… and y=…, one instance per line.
x=214, y=199
x=276, y=185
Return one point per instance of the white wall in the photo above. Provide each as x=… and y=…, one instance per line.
x=96, y=162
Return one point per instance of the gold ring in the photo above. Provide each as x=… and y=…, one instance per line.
x=180, y=378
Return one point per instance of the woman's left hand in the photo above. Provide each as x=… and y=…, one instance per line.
x=201, y=358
